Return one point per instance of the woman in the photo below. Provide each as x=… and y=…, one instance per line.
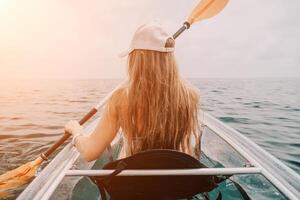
x=155, y=109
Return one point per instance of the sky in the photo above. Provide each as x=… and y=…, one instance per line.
x=82, y=39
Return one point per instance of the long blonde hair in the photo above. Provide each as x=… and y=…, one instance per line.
x=159, y=110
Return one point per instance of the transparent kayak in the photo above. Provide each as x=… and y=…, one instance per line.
x=224, y=151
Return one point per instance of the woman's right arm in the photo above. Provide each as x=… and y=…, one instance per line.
x=93, y=145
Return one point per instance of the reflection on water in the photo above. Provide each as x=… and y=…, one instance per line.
x=33, y=112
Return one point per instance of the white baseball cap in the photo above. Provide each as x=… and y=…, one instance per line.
x=150, y=36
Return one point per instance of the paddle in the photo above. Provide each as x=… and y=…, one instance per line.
x=17, y=177
x=204, y=10
x=24, y=173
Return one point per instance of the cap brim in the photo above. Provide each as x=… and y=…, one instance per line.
x=125, y=53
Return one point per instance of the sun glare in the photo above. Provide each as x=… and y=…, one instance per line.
x=4, y=5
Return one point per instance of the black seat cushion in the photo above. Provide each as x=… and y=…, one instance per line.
x=156, y=187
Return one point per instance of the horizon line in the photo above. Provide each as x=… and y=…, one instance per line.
x=120, y=78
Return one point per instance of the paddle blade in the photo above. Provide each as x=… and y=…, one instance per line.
x=19, y=176
x=206, y=9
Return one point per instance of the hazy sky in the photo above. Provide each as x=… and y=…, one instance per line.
x=82, y=39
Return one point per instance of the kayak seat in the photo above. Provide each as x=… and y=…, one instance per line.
x=155, y=187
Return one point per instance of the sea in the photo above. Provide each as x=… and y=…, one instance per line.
x=33, y=113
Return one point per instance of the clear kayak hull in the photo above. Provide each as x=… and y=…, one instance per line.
x=222, y=148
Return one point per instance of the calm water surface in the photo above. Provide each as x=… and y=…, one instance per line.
x=33, y=112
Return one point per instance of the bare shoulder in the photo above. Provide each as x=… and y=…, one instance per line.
x=119, y=97
x=116, y=102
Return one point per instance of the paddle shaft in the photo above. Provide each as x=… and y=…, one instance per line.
x=186, y=25
x=84, y=119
